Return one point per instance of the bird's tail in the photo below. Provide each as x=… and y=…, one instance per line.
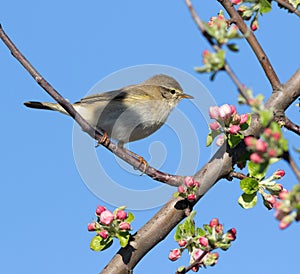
x=45, y=105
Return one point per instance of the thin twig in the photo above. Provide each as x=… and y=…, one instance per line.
x=238, y=175
x=122, y=153
x=241, y=88
x=196, y=263
x=291, y=126
x=289, y=159
x=288, y=6
x=255, y=45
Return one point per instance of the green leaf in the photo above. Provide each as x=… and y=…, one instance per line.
x=99, y=244
x=211, y=136
x=247, y=200
x=178, y=233
x=234, y=140
x=130, y=217
x=258, y=171
x=249, y=185
x=202, y=69
x=223, y=246
x=265, y=117
x=200, y=232
x=265, y=6
x=233, y=47
x=123, y=237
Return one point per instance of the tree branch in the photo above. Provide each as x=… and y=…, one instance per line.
x=122, y=153
x=291, y=126
x=241, y=88
x=256, y=47
x=288, y=6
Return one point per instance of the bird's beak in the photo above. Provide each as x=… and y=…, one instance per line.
x=184, y=95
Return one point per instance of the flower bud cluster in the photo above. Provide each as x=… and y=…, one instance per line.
x=110, y=224
x=227, y=121
x=201, y=243
x=287, y=208
x=268, y=146
x=188, y=190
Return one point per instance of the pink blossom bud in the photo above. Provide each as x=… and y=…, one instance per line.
x=260, y=146
x=272, y=152
x=191, y=197
x=181, y=243
x=205, y=53
x=181, y=189
x=236, y=119
x=189, y=181
x=234, y=129
x=100, y=209
x=214, y=112
x=197, y=253
x=215, y=255
x=106, y=217
x=254, y=25
x=174, y=254
x=231, y=234
x=91, y=227
x=225, y=111
x=276, y=136
x=271, y=199
x=219, y=228
x=214, y=222
x=256, y=158
x=283, y=194
x=214, y=126
x=268, y=132
x=195, y=268
x=220, y=140
x=121, y=215
x=124, y=226
x=233, y=109
x=103, y=234
x=279, y=173
x=250, y=141
x=203, y=241
x=236, y=2
x=197, y=184
x=244, y=118
x=285, y=222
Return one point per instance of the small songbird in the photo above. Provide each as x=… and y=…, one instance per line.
x=129, y=113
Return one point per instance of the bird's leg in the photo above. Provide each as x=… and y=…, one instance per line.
x=140, y=158
x=103, y=139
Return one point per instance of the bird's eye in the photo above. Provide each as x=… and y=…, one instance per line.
x=172, y=91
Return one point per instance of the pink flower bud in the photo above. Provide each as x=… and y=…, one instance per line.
x=250, y=141
x=236, y=2
x=103, y=234
x=191, y=197
x=189, y=181
x=220, y=140
x=197, y=253
x=181, y=189
x=215, y=255
x=283, y=194
x=244, y=118
x=214, y=112
x=276, y=136
x=203, y=241
x=219, y=228
x=205, y=53
x=231, y=234
x=197, y=184
x=91, y=227
x=234, y=129
x=181, y=243
x=214, y=222
x=100, y=209
x=174, y=254
x=279, y=173
x=271, y=199
x=272, y=152
x=260, y=146
x=106, y=217
x=256, y=158
x=124, y=226
x=121, y=215
x=268, y=132
x=225, y=111
x=233, y=109
x=214, y=125
x=254, y=25
x=285, y=222
x=195, y=268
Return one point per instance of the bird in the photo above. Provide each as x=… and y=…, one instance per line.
x=129, y=113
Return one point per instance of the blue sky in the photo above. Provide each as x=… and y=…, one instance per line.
x=45, y=201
